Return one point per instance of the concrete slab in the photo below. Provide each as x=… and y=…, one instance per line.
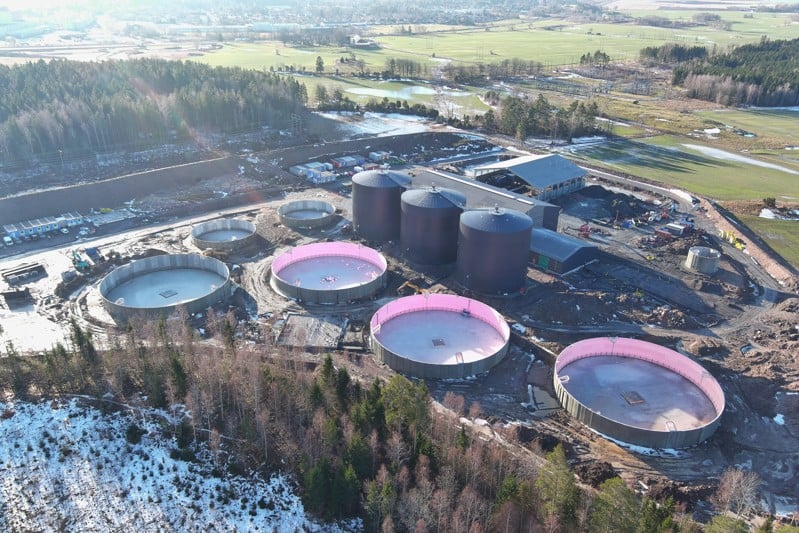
x=225, y=235
x=637, y=393
x=166, y=287
x=439, y=337
x=329, y=273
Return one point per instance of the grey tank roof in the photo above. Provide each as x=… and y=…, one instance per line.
x=384, y=179
x=497, y=220
x=434, y=198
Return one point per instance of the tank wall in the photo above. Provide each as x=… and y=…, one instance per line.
x=437, y=302
x=429, y=236
x=223, y=224
x=492, y=263
x=629, y=434
x=326, y=211
x=330, y=297
x=376, y=212
x=428, y=370
x=329, y=249
x=704, y=260
x=165, y=262
x=652, y=353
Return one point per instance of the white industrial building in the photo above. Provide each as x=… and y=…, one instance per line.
x=550, y=175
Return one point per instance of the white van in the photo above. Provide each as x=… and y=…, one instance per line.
x=7, y=240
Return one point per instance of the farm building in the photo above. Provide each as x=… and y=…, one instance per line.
x=482, y=195
x=559, y=253
x=551, y=176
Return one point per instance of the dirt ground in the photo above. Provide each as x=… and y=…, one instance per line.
x=742, y=327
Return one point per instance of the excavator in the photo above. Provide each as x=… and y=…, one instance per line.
x=80, y=264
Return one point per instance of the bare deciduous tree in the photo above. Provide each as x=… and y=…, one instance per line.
x=737, y=491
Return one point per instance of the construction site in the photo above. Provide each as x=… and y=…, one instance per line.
x=435, y=261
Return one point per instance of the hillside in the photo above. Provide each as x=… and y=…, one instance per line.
x=70, y=467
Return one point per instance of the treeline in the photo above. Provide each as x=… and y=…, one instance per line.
x=523, y=118
x=77, y=108
x=762, y=74
x=376, y=450
x=405, y=68
x=478, y=74
x=671, y=53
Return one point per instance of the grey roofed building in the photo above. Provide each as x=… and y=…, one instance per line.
x=481, y=195
x=551, y=175
x=560, y=253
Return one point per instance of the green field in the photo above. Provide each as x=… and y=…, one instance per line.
x=676, y=161
x=549, y=41
x=783, y=123
x=781, y=235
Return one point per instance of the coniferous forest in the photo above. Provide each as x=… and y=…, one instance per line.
x=762, y=74
x=375, y=449
x=71, y=109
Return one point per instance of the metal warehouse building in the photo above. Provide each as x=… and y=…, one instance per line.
x=559, y=253
x=550, y=175
x=481, y=195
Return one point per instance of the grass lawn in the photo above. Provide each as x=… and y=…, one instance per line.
x=682, y=163
x=781, y=235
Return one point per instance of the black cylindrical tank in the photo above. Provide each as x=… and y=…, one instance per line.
x=429, y=226
x=376, y=204
x=493, y=250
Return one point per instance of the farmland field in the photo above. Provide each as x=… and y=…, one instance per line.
x=777, y=122
x=781, y=235
x=696, y=167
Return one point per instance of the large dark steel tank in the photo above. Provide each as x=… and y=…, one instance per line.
x=376, y=204
x=493, y=250
x=429, y=227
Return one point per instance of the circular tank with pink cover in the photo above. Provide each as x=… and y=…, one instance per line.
x=329, y=272
x=439, y=336
x=638, y=392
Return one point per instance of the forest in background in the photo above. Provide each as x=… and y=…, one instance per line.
x=69, y=109
x=763, y=74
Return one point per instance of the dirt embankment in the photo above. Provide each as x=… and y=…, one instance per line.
x=113, y=192
x=766, y=259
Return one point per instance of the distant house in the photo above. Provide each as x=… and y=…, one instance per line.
x=550, y=175
x=356, y=41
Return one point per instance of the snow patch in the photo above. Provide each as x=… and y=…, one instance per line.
x=779, y=419
x=728, y=156
x=69, y=464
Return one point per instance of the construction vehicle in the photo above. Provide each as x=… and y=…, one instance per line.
x=408, y=288
x=80, y=264
x=216, y=254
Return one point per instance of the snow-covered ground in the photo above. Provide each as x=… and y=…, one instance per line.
x=69, y=467
x=379, y=124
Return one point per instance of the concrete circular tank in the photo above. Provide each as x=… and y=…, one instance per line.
x=307, y=214
x=429, y=225
x=638, y=392
x=223, y=234
x=703, y=259
x=439, y=336
x=376, y=204
x=160, y=284
x=329, y=272
x=493, y=250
